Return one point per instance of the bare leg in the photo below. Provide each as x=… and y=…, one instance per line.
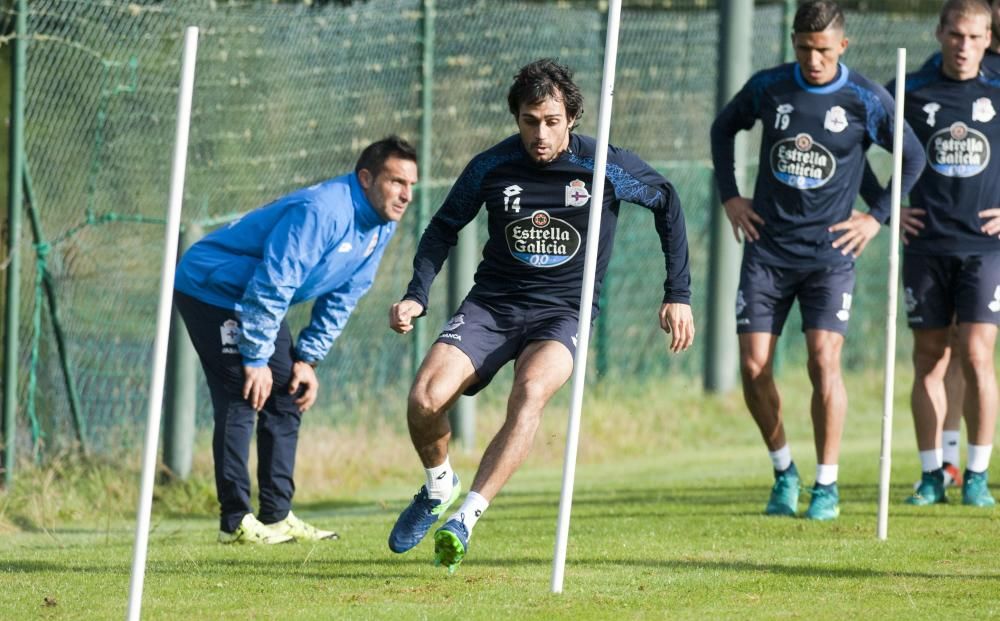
x=977, y=341
x=928, y=399
x=445, y=373
x=541, y=369
x=759, y=390
x=954, y=384
x=829, y=397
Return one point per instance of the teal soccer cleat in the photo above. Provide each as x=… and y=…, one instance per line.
x=417, y=518
x=785, y=493
x=930, y=491
x=451, y=542
x=825, y=503
x=975, y=492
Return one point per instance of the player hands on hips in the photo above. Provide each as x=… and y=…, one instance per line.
x=951, y=260
x=233, y=290
x=536, y=187
x=802, y=235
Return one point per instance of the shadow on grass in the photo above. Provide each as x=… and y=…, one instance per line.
x=369, y=569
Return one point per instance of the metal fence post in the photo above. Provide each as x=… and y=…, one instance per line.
x=15, y=200
x=180, y=403
x=735, y=52
x=461, y=269
x=419, y=344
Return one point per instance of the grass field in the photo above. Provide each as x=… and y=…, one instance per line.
x=666, y=524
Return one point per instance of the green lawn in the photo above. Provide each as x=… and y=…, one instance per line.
x=671, y=533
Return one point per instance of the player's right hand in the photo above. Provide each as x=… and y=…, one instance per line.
x=402, y=314
x=910, y=222
x=257, y=382
x=743, y=218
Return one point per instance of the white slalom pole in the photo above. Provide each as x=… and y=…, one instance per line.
x=163, y=323
x=587, y=295
x=885, y=459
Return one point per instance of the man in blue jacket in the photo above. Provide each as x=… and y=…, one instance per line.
x=233, y=290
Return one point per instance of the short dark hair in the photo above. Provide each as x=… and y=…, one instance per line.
x=817, y=16
x=964, y=8
x=546, y=78
x=374, y=155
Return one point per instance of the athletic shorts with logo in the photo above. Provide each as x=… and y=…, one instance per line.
x=492, y=335
x=766, y=294
x=938, y=289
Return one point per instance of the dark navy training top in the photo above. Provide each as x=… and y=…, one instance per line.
x=538, y=222
x=958, y=125
x=812, y=156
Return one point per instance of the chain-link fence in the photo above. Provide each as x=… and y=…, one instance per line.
x=287, y=94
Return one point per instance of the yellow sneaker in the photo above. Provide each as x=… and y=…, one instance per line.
x=295, y=528
x=251, y=530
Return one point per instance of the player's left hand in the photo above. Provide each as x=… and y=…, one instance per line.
x=992, y=225
x=858, y=230
x=676, y=320
x=304, y=376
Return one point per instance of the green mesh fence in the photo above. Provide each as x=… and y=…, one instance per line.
x=287, y=94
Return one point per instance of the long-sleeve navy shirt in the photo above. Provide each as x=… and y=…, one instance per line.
x=957, y=122
x=812, y=157
x=538, y=222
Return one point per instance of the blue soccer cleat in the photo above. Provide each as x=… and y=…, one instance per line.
x=417, y=518
x=825, y=503
x=784, y=498
x=930, y=490
x=451, y=542
x=975, y=492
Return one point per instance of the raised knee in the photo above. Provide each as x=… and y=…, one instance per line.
x=423, y=403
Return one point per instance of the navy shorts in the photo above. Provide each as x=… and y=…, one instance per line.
x=940, y=289
x=766, y=294
x=492, y=335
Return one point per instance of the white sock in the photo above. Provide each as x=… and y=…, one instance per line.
x=979, y=457
x=471, y=510
x=950, y=444
x=781, y=458
x=826, y=474
x=931, y=460
x=440, y=481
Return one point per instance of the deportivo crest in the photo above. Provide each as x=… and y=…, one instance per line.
x=229, y=332
x=931, y=109
x=802, y=163
x=836, y=119
x=542, y=241
x=577, y=194
x=741, y=302
x=982, y=110
x=958, y=151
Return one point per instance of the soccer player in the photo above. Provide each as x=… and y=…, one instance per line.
x=954, y=383
x=536, y=186
x=991, y=59
x=818, y=119
x=951, y=262
x=233, y=290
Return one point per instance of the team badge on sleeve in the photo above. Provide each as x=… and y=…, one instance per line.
x=982, y=110
x=836, y=119
x=577, y=194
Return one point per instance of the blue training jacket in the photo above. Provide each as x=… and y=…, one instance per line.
x=323, y=242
